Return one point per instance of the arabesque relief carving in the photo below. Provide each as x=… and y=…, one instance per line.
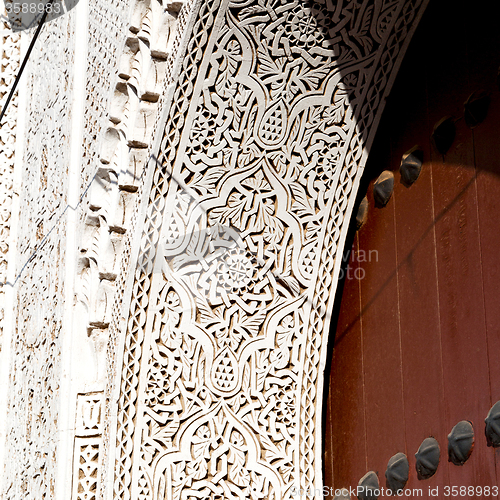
x=264, y=140
x=9, y=60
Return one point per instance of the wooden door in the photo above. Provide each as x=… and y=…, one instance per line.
x=417, y=342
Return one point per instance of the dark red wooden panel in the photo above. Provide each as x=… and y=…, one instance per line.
x=345, y=442
x=487, y=152
x=487, y=156
x=381, y=345
x=421, y=349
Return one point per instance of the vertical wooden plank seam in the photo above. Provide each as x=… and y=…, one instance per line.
x=399, y=323
x=437, y=298
x=362, y=362
x=482, y=282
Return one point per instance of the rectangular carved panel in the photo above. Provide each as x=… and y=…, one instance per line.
x=88, y=443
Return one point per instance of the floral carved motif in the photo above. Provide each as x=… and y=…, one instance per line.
x=263, y=145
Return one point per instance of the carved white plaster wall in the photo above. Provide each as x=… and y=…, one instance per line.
x=9, y=64
x=229, y=277
x=34, y=385
x=125, y=134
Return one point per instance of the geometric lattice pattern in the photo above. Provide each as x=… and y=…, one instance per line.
x=86, y=469
x=88, y=442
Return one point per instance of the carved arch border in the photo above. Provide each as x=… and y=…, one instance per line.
x=183, y=209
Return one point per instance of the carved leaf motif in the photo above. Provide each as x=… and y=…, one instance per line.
x=286, y=470
x=186, y=354
x=257, y=487
x=177, y=490
x=164, y=433
x=279, y=358
x=207, y=182
x=250, y=324
x=237, y=458
x=302, y=204
x=206, y=314
x=292, y=284
x=267, y=65
x=340, y=103
x=288, y=262
x=245, y=385
x=178, y=479
x=201, y=443
x=252, y=420
x=265, y=216
x=240, y=476
x=312, y=77
x=248, y=11
x=362, y=34
x=285, y=332
x=314, y=117
x=183, y=200
x=279, y=160
x=232, y=54
x=235, y=338
x=226, y=85
x=233, y=212
x=273, y=231
x=313, y=227
x=273, y=452
x=262, y=368
x=249, y=152
x=198, y=469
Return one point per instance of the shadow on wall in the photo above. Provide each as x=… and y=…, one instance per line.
x=470, y=82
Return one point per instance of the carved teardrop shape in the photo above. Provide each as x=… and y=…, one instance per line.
x=224, y=371
x=274, y=123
